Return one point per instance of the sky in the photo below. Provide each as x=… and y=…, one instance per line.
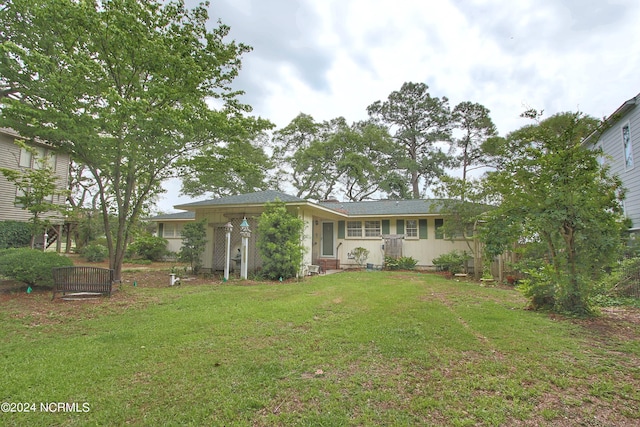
x=332, y=58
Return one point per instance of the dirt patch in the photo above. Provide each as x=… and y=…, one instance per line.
x=614, y=323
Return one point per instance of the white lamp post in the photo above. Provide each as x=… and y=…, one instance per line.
x=228, y=228
x=245, y=232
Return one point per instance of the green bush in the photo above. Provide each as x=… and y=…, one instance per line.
x=31, y=266
x=149, y=247
x=279, y=242
x=94, y=252
x=623, y=281
x=452, y=262
x=401, y=263
x=194, y=240
x=540, y=286
x=14, y=234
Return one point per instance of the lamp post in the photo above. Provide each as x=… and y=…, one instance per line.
x=245, y=232
x=228, y=228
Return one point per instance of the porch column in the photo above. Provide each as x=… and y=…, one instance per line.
x=245, y=232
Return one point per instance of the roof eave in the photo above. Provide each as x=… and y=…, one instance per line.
x=627, y=106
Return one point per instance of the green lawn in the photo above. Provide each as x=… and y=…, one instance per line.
x=362, y=348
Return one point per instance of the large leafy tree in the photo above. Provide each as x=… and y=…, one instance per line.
x=321, y=159
x=123, y=86
x=368, y=160
x=417, y=122
x=235, y=167
x=476, y=127
x=307, y=160
x=554, y=192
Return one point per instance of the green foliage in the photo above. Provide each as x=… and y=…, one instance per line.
x=400, y=263
x=280, y=242
x=153, y=248
x=124, y=86
x=360, y=255
x=420, y=121
x=539, y=285
x=623, y=281
x=453, y=261
x=317, y=157
x=194, y=240
x=94, y=252
x=477, y=127
x=239, y=167
x=31, y=266
x=555, y=194
x=14, y=234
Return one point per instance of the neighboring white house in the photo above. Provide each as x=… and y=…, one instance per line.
x=14, y=157
x=620, y=142
x=170, y=227
x=332, y=231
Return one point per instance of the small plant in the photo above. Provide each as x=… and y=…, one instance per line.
x=194, y=240
x=31, y=266
x=401, y=263
x=94, y=252
x=452, y=262
x=360, y=255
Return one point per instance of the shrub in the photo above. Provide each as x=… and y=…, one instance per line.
x=94, y=252
x=453, y=261
x=624, y=280
x=279, y=242
x=539, y=285
x=149, y=247
x=360, y=255
x=401, y=263
x=31, y=266
x=194, y=240
x=14, y=234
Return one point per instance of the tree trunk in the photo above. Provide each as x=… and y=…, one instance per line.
x=415, y=185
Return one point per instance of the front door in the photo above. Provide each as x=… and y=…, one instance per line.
x=327, y=239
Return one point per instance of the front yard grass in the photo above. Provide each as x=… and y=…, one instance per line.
x=361, y=348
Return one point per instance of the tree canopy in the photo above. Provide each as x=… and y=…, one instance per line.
x=123, y=86
x=417, y=121
x=554, y=192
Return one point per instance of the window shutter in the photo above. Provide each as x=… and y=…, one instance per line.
x=386, y=228
x=400, y=226
x=340, y=229
x=422, y=228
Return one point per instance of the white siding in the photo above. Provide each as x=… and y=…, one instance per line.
x=612, y=145
x=10, y=157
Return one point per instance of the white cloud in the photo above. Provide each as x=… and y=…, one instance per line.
x=333, y=58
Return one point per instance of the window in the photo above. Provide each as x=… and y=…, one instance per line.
x=25, y=158
x=354, y=228
x=411, y=229
x=628, y=147
x=372, y=229
x=29, y=159
x=171, y=230
x=439, y=230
